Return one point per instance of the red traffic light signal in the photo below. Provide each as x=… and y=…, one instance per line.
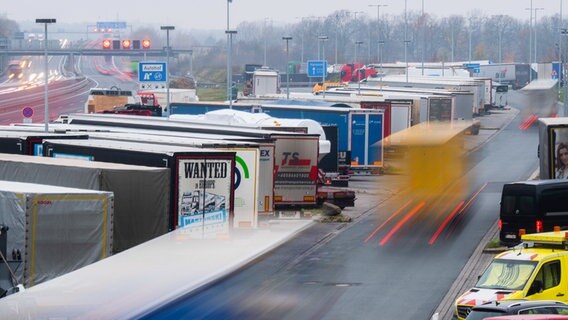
x=126, y=44
x=146, y=44
x=106, y=44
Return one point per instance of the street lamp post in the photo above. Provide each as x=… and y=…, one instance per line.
x=322, y=39
x=191, y=63
x=423, y=36
x=470, y=35
x=229, y=40
x=45, y=95
x=265, y=41
x=336, y=33
x=535, y=33
x=500, y=27
x=230, y=33
x=168, y=49
x=564, y=32
x=357, y=44
x=378, y=29
x=406, y=38
x=287, y=38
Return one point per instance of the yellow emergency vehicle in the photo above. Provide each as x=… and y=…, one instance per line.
x=536, y=269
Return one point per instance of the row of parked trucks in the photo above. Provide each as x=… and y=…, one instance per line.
x=180, y=174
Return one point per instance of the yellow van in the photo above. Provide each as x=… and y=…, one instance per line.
x=537, y=269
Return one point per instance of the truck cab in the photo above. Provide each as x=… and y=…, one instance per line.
x=535, y=270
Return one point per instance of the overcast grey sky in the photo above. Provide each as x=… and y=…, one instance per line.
x=212, y=14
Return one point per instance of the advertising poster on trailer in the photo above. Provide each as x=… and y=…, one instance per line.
x=204, y=193
x=559, y=150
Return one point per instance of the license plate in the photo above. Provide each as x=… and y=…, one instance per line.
x=510, y=236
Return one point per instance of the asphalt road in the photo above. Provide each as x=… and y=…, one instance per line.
x=383, y=265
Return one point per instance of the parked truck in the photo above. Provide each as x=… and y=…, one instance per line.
x=191, y=169
x=516, y=75
x=140, y=189
x=295, y=142
x=52, y=230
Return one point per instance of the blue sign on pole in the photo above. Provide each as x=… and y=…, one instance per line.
x=473, y=66
x=317, y=68
x=111, y=25
x=152, y=72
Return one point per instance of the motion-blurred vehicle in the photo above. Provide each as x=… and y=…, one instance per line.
x=15, y=70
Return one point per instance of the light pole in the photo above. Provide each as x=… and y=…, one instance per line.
x=45, y=95
x=230, y=33
x=452, y=37
x=560, y=40
x=535, y=33
x=229, y=39
x=302, y=39
x=167, y=28
x=357, y=44
x=500, y=27
x=322, y=39
x=378, y=29
x=287, y=38
x=191, y=63
x=423, y=36
x=406, y=38
x=265, y=41
x=530, y=39
x=470, y=34
x=336, y=33
x=564, y=32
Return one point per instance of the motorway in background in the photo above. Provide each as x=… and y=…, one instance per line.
x=68, y=91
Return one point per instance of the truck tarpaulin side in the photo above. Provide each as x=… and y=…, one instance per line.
x=193, y=169
x=56, y=230
x=142, y=194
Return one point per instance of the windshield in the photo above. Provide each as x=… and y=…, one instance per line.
x=506, y=275
x=482, y=314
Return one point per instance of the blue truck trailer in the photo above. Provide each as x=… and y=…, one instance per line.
x=360, y=131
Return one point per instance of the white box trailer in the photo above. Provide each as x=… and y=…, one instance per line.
x=477, y=87
x=553, y=140
x=463, y=100
x=141, y=204
x=265, y=81
x=54, y=230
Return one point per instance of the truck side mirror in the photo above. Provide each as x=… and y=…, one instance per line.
x=536, y=287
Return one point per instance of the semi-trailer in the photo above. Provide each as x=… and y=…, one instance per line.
x=295, y=154
x=141, y=193
x=48, y=231
x=248, y=197
x=30, y=143
x=191, y=170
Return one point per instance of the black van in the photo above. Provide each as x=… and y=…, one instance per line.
x=535, y=206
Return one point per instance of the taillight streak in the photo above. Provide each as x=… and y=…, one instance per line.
x=402, y=222
x=445, y=223
x=397, y=212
